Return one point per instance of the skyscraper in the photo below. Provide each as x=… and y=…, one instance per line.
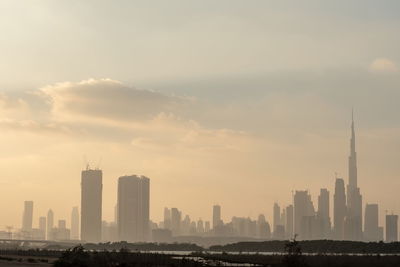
x=50, y=223
x=91, y=205
x=75, y=223
x=303, y=211
x=277, y=216
x=27, y=216
x=289, y=221
x=42, y=227
x=371, y=226
x=175, y=221
x=392, y=228
x=324, y=220
x=216, y=215
x=339, y=209
x=133, y=208
x=353, y=220
x=167, y=218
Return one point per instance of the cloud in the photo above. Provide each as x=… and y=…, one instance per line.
x=33, y=126
x=383, y=65
x=106, y=99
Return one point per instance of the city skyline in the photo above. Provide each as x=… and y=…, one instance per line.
x=301, y=218
x=277, y=218
x=233, y=103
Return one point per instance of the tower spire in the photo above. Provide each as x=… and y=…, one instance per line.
x=353, y=155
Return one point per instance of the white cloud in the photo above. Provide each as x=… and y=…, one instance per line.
x=383, y=65
x=106, y=99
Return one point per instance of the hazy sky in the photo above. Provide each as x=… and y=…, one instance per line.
x=229, y=102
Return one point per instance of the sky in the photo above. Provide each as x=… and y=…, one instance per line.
x=227, y=102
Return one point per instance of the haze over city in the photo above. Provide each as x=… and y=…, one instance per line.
x=233, y=103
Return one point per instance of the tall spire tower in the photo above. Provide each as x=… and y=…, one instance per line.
x=353, y=221
x=352, y=157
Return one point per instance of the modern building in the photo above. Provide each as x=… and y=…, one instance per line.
x=339, y=209
x=133, y=208
x=175, y=221
x=353, y=220
x=216, y=216
x=91, y=205
x=42, y=227
x=289, y=222
x=27, y=217
x=75, y=223
x=303, y=207
x=324, y=221
x=167, y=219
x=392, y=228
x=371, y=223
x=277, y=217
x=50, y=223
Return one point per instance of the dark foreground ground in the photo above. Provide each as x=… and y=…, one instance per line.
x=80, y=257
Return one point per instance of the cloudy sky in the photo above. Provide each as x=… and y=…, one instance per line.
x=229, y=102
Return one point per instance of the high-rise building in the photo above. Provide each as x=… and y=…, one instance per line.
x=167, y=218
x=216, y=216
x=27, y=217
x=371, y=224
x=75, y=223
x=42, y=227
x=133, y=208
x=392, y=228
x=277, y=216
x=175, y=221
x=324, y=221
x=303, y=209
x=207, y=226
x=339, y=209
x=353, y=220
x=289, y=222
x=91, y=205
x=50, y=224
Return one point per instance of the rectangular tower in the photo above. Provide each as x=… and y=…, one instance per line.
x=27, y=216
x=391, y=228
x=133, y=208
x=75, y=224
x=216, y=215
x=91, y=205
x=371, y=226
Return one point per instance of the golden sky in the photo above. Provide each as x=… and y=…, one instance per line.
x=229, y=102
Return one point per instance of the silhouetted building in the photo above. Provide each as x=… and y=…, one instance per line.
x=324, y=221
x=175, y=221
x=277, y=217
x=392, y=228
x=91, y=205
x=303, y=207
x=109, y=232
x=207, y=227
x=50, y=224
x=353, y=220
x=75, y=223
x=42, y=227
x=216, y=216
x=371, y=224
x=289, y=222
x=340, y=210
x=133, y=208
x=167, y=218
x=27, y=217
